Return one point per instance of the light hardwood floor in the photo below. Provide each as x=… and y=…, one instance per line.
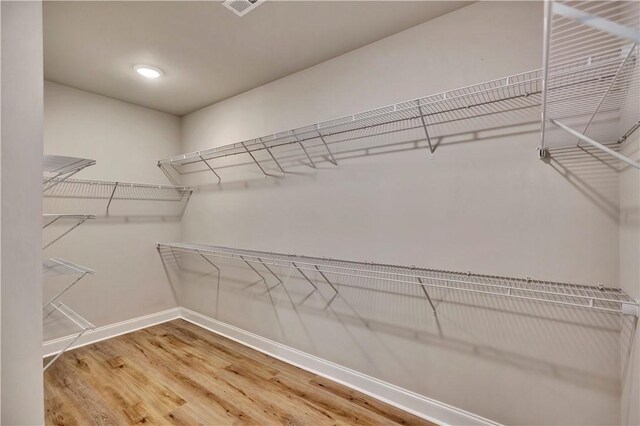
x=178, y=373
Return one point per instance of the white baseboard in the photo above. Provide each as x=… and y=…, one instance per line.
x=411, y=402
x=406, y=400
x=52, y=347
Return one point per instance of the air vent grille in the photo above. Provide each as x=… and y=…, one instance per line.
x=242, y=7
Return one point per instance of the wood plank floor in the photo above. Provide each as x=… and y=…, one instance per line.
x=178, y=373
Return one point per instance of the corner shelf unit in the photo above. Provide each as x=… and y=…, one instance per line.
x=606, y=35
x=50, y=219
x=58, y=168
x=57, y=267
x=112, y=190
x=596, y=298
x=76, y=320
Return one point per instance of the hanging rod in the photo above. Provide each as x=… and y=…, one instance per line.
x=80, y=322
x=50, y=219
x=598, y=298
x=57, y=168
x=58, y=267
x=606, y=36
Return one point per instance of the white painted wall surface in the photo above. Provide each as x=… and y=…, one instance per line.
x=21, y=177
x=486, y=205
x=124, y=139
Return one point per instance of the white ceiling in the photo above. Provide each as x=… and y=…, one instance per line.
x=208, y=53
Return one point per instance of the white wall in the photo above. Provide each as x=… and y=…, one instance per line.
x=21, y=177
x=484, y=204
x=125, y=140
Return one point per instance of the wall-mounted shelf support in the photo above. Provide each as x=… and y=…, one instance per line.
x=50, y=219
x=84, y=326
x=57, y=267
x=597, y=144
x=594, y=298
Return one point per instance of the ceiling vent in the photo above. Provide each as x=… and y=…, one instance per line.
x=242, y=7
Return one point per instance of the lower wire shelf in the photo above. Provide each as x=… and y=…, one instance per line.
x=598, y=298
x=80, y=325
x=56, y=267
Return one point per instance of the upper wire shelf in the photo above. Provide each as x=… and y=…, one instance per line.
x=602, y=38
x=77, y=321
x=317, y=140
x=57, y=168
x=117, y=190
x=50, y=219
x=597, y=298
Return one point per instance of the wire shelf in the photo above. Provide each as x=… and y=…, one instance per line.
x=597, y=298
x=56, y=267
x=58, y=168
x=316, y=140
x=77, y=321
x=112, y=190
x=600, y=38
x=50, y=219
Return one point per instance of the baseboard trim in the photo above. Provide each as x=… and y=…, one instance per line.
x=421, y=406
x=406, y=400
x=52, y=347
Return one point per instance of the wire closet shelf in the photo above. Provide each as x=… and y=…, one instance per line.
x=55, y=267
x=117, y=190
x=76, y=219
x=76, y=320
x=57, y=168
x=598, y=298
x=605, y=37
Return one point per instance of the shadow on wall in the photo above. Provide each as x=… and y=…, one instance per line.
x=390, y=331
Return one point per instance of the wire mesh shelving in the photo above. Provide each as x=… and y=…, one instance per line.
x=76, y=219
x=601, y=39
x=55, y=267
x=116, y=190
x=57, y=168
x=80, y=324
x=597, y=298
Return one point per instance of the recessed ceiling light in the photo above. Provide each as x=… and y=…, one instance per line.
x=148, y=71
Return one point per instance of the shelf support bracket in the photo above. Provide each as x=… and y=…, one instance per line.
x=597, y=144
x=424, y=126
x=426, y=293
x=313, y=165
x=609, y=87
x=271, y=272
x=254, y=269
x=80, y=222
x=111, y=197
x=272, y=156
x=326, y=279
x=57, y=296
x=305, y=277
x=210, y=168
x=254, y=159
x=321, y=136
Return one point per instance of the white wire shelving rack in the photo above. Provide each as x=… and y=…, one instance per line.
x=596, y=298
x=315, y=141
x=76, y=219
x=58, y=168
x=55, y=267
x=603, y=37
x=75, y=319
x=117, y=190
